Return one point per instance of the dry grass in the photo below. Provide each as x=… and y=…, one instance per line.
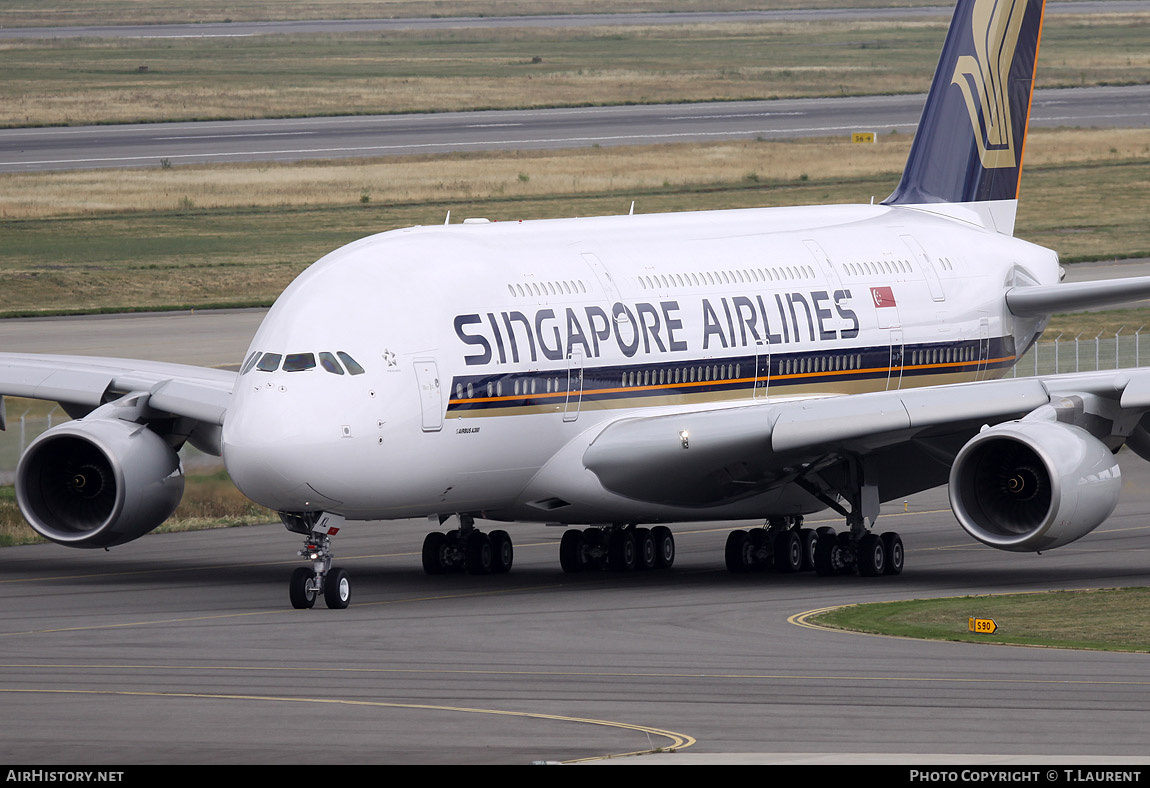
x=75, y=81
x=235, y=235
x=24, y=13
x=523, y=174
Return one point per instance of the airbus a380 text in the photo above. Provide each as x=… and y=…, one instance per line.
x=620, y=374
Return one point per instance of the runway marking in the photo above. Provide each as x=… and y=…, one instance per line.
x=244, y=135
x=456, y=144
x=660, y=676
x=222, y=616
x=679, y=741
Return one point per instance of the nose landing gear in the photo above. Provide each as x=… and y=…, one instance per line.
x=320, y=579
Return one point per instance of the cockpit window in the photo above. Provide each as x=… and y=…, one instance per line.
x=298, y=362
x=269, y=363
x=328, y=362
x=352, y=365
x=251, y=362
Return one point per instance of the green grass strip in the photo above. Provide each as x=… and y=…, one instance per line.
x=1110, y=619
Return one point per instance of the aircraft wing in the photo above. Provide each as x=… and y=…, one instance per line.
x=83, y=383
x=909, y=438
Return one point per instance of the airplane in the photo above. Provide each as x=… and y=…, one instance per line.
x=616, y=375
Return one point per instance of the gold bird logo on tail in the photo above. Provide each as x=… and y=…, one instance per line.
x=982, y=78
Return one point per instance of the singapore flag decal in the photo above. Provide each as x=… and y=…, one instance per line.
x=882, y=296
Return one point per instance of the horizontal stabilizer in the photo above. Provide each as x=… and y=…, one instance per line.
x=1048, y=299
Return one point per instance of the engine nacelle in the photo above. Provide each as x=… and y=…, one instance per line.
x=98, y=483
x=1033, y=485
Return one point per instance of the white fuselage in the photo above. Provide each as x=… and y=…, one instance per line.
x=493, y=353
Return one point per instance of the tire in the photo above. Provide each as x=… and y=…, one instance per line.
x=828, y=560
x=571, y=551
x=895, y=555
x=788, y=552
x=760, y=551
x=302, y=597
x=478, y=553
x=646, y=556
x=871, y=556
x=621, y=551
x=434, y=546
x=502, y=552
x=810, y=540
x=737, y=552
x=337, y=589
x=664, y=546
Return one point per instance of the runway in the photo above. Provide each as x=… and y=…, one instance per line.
x=183, y=649
x=284, y=140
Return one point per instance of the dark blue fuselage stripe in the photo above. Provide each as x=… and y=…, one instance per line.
x=515, y=389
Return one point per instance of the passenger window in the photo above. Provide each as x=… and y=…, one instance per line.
x=269, y=363
x=352, y=365
x=328, y=362
x=298, y=362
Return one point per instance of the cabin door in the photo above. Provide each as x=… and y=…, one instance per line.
x=574, y=384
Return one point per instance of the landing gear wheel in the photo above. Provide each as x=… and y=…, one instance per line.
x=664, y=546
x=502, y=552
x=739, y=552
x=571, y=551
x=434, y=553
x=761, y=539
x=594, y=553
x=301, y=589
x=621, y=551
x=871, y=556
x=810, y=539
x=894, y=553
x=478, y=552
x=336, y=589
x=645, y=554
x=828, y=556
x=788, y=552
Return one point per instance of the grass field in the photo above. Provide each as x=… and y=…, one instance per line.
x=227, y=235
x=1102, y=619
x=81, y=81
x=24, y=13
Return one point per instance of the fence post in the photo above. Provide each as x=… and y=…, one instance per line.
x=1077, y=366
x=1056, y=353
x=1097, y=358
x=1117, y=334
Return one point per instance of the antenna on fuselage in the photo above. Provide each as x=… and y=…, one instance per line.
x=632, y=211
x=448, y=219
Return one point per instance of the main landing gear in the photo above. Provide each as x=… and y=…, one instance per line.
x=309, y=583
x=783, y=545
x=467, y=549
x=619, y=548
x=858, y=549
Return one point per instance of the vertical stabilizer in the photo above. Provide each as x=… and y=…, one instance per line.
x=969, y=143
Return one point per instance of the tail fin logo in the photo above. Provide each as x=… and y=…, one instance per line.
x=982, y=78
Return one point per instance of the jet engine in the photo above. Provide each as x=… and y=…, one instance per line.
x=1026, y=486
x=98, y=483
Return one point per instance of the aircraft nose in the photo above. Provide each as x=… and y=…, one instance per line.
x=271, y=453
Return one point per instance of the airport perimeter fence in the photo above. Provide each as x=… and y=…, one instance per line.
x=1048, y=357
x=24, y=428
x=1083, y=354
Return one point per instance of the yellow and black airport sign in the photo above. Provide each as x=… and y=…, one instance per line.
x=983, y=626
